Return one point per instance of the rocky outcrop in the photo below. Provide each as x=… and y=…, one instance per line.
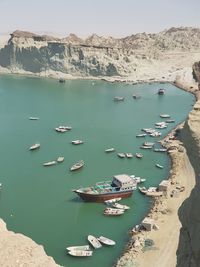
x=134, y=56
x=188, y=253
x=17, y=250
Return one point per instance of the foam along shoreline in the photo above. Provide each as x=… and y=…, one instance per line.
x=164, y=211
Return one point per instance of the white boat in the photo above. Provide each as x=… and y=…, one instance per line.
x=86, y=247
x=164, y=115
x=60, y=159
x=144, y=190
x=159, y=166
x=146, y=147
x=129, y=155
x=0, y=185
x=120, y=206
x=119, y=98
x=113, y=200
x=163, y=126
x=137, y=179
x=160, y=149
x=148, y=144
x=60, y=130
x=65, y=127
x=141, y=135
x=121, y=155
x=77, y=166
x=139, y=155
x=50, y=163
x=33, y=118
x=94, y=241
x=106, y=241
x=77, y=142
x=109, y=150
x=80, y=253
x=34, y=146
x=113, y=212
x=170, y=121
x=155, y=134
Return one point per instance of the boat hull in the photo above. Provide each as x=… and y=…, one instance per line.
x=103, y=197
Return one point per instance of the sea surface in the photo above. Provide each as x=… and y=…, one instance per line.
x=38, y=201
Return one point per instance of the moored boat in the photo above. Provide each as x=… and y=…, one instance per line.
x=120, y=206
x=77, y=142
x=164, y=115
x=50, y=163
x=33, y=118
x=159, y=166
x=109, y=150
x=141, y=135
x=121, y=186
x=106, y=241
x=34, y=146
x=77, y=165
x=119, y=98
x=60, y=159
x=161, y=91
x=145, y=190
x=80, y=253
x=121, y=155
x=129, y=155
x=113, y=200
x=94, y=241
x=137, y=179
x=170, y=121
x=113, y=212
x=85, y=247
x=160, y=149
x=139, y=155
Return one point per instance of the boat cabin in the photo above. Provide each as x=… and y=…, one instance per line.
x=123, y=182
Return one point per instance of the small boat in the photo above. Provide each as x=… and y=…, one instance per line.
x=129, y=155
x=113, y=200
x=141, y=135
x=34, y=146
x=146, y=147
x=144, y=190
x=159, y=166
x=50, y=163
x=77, y=166
x=170, y=121
x=86, y=247
x=160, y=149
x=120, y=206
x=161, y=126
x=80, y=253
x=109, y=150
x=77, y=142
x=148, y=144
x=137, y=179
x=33, y=118
x=59, y=130
x=121, y=155
x=106, y=241
x=119, y=98
x=164, y=115
x=65, y=127
x=161, y=91
x=155, y=134
x=60, y=159
x=136, y=96
x=139, y=155
x=113, y=212
x=94, y=241
x=0, y=185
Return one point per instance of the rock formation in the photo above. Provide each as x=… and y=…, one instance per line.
x=138, y=56
x=18, y=250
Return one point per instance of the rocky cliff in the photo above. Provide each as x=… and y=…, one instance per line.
x=134, y=56
x=17, y=250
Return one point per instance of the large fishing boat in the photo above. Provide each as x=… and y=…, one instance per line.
x=121, y=186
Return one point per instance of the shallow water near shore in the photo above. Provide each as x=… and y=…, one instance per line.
x=39, y=201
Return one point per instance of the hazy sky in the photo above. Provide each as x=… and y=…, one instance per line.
x=104, y=17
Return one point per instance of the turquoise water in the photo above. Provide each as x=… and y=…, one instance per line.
x=38, y=201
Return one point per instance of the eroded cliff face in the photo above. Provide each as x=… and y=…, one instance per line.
x=188, y=253
x=101, y=56
x=17, y=250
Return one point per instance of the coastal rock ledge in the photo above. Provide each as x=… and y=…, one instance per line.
x=17, y=250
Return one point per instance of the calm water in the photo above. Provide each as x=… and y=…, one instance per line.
x=38, y=201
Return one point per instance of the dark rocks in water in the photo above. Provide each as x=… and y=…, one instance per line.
x=61, y=80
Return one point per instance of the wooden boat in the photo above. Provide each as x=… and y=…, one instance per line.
x=159, y=166
x=139, y=155
x=121, y=186
x=164, y=115
x=121, y=155
x=129, y=155
x=106, y=241
x=80, y=253
x=77, y=166
x=34, y=146
x=113, y=200
x=33, y=118
x=113, y=212
x=94, y=241
x=120, y=206
x=109, y=150
x=119, y=98
x=86, y=247
x=50, y=163
x=60, y=159
x=77, y=142
x=161, y=91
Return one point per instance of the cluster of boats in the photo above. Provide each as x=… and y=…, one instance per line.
x=50, y=163
x=114, y=208
x=124, y=155
x=86, y=250
x=63, y=129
